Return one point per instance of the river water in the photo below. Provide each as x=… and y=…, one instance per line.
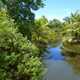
x=57, y=67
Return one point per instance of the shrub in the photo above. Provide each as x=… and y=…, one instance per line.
x=18, y=56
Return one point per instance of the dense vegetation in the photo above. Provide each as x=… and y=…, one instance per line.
x=22, y=12
x=23, y=39
x=71, y=35
x=18, y=56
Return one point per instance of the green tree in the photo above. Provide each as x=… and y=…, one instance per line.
x=22, y=12
x=42, y=34
x=74, y=17
x=41, y=21
x=18, y=56
x=71, y=37
x=55, y=24
x=71, y=25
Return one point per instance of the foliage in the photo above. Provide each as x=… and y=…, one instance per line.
x=71, y=49
x=72, y=30
x=22, y=12
x=71, y=35
x=41, y=21
x=18, y=56
x=74, y=17
x=43, y=35
x=55, y=24
x=72, y=26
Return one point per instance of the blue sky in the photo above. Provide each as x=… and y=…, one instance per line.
x=58, y=8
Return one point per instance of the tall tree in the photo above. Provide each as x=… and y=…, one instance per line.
x=22, y=12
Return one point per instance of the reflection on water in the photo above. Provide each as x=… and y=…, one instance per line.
x=54, y=53
x=75, y=63
x=58, y=68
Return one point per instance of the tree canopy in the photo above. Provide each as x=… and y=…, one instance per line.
x=22, y=11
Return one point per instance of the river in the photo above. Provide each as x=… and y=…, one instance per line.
x=57, y=67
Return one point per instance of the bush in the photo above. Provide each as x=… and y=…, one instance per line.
x=18, y=56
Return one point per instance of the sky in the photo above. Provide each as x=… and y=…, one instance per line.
x=58, y=9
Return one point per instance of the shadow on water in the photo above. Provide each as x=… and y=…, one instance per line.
x=57, y=67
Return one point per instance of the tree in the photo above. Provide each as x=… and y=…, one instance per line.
x=43, y=35
x=22, y=12
x=18, y=56
x=42, y=21
x=55, y=24
x=71, y=25
x=74, y=17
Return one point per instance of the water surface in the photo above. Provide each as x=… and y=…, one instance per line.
x=58, y=68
